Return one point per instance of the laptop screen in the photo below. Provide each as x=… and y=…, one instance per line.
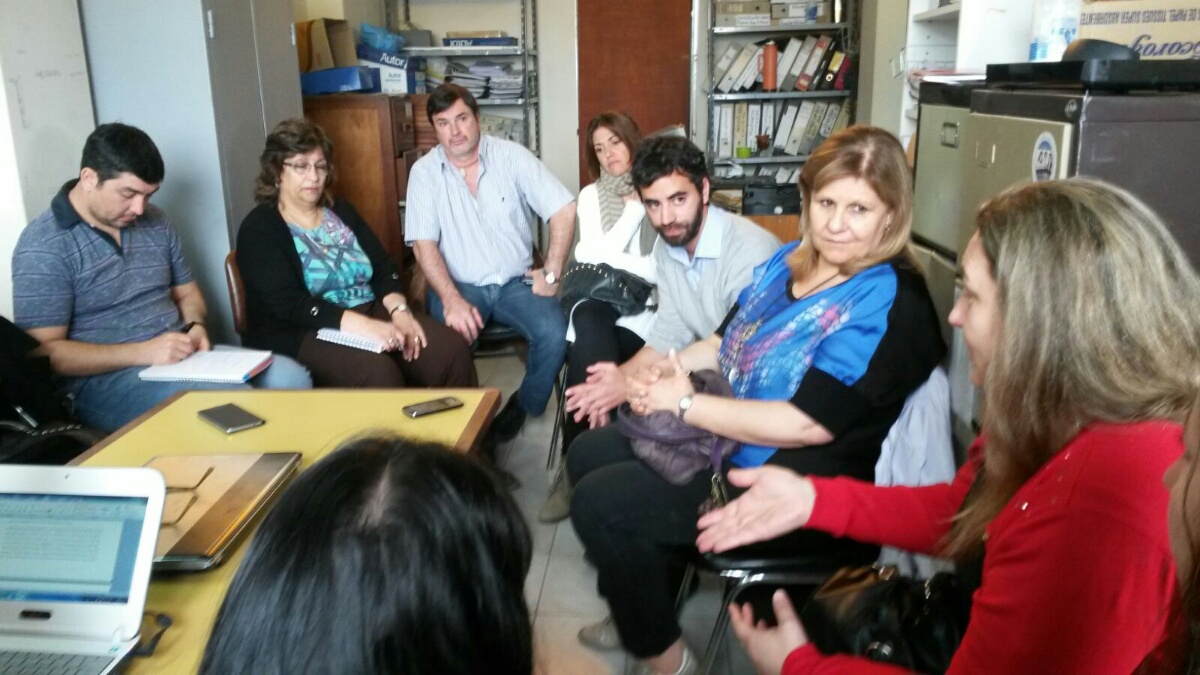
x=68, y=548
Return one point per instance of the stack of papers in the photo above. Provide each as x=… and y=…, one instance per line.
x=485, y=79
x=508, y=128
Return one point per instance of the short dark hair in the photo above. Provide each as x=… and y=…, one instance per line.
x=662, y=156
x=622, y=126
x=445, y=95
x=289, y=138
x=115, y=148
x=387, y=556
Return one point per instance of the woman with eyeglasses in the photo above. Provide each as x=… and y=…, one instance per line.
x=309, y=262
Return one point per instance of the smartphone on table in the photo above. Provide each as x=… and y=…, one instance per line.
x=429, y=407
x=231, y=418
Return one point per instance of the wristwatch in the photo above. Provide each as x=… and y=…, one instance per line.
x=402, y=307
x=685, y=404
x=551, y=277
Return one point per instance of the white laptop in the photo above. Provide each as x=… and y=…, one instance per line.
x=76, y=546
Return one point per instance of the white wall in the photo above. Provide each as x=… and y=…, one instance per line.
x=45, y=115
x=354, y=11
x=12, y=211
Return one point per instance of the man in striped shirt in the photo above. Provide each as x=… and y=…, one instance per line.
x=100, y=280
x=468, y=221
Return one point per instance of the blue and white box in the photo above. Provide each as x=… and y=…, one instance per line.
x=398, y=74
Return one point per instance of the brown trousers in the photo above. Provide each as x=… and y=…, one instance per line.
x=445, y=362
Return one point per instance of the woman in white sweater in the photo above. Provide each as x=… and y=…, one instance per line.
x=613, y=229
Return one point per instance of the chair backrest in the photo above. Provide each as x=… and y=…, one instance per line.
x=237, y=292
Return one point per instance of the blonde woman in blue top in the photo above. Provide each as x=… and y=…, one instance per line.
x=822, y=349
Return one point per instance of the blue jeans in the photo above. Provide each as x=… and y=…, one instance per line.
x=111, y=400
x=538, y=319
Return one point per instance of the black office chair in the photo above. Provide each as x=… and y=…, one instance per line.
x=756, y=565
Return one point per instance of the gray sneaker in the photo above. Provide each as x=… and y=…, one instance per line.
x=558, y=502
x=689, y=666
x=601, y=636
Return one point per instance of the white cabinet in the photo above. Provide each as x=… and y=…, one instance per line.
x=964, y=36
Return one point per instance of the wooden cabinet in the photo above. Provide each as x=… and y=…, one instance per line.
x=370, y=134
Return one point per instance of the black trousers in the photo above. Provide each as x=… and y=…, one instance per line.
x=635, y=527
x=598, y=338
x=445, y=362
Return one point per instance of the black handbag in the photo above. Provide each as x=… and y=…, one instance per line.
x=876, y=613
x=626, y=292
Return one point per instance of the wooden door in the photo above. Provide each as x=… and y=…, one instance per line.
x=634, y=56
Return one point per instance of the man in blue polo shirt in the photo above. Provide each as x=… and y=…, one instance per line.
x=100, y=280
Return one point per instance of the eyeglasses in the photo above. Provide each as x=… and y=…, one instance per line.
x=303, y=169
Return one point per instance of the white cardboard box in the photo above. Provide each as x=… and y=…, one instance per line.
x=1157, y=29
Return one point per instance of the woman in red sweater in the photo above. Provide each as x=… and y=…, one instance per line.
x=1079, y=315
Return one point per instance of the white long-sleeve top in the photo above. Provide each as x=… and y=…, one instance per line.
x=620, y=247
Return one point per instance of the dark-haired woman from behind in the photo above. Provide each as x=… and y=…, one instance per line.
x=388, y=556
x=309, y=261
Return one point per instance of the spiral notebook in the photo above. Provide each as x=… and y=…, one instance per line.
x=350, y=340
x=229, y=366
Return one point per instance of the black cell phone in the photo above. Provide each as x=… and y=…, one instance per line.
x=430, y=407
x=231, y=418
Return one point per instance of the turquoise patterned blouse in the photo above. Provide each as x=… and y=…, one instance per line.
x=335, y=267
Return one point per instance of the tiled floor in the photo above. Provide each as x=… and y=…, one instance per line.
x=561, y=586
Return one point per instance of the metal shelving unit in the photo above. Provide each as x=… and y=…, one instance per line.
x=777, y=159
x=778, y=96
x=526, y=52
x=847, y=36
x=780, y=30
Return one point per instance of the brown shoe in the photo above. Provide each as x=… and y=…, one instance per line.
x=558, y=502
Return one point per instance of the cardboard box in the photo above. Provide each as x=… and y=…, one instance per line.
x=1156, y=29
x=336, y=80
x=743, y=7
x=742, y=20
x=398, y=74
x=791, y=10
x=821, y=11
x=324, y=43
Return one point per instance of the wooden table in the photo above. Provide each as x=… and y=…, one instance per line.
x=310, y=422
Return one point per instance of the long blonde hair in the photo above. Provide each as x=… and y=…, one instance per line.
x=874, y=156
x=1099, y=312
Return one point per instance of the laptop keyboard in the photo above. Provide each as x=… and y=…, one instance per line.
x=41, y=663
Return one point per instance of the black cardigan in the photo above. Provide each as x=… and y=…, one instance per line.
x=280, y=310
